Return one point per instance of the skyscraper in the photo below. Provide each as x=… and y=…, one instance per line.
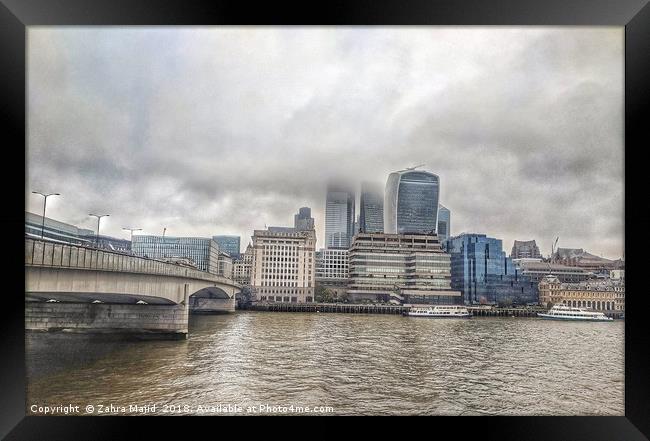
x=339, y=216
x=371, y=216
x=444, y=223
x=411, y=202
x=303, y=221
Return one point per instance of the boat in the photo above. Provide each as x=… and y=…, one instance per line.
x=563, y=312
x=439, y=311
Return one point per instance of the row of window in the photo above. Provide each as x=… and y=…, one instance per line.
x=283, y=283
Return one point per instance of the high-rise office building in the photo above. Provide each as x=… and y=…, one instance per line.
x=283, y=268
x=303, y=220
x=400, y=268
x=411, y=202
x=229, y=245
x=444, y=223
x=481, y=270
x=339, y=216
x=525, y=249
x=371, y=208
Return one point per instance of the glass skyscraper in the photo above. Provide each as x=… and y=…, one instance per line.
x=411, y=202
x=481, y=270
x=339, y=216
x=444, y=223
x=229, y=245
x=371, y=216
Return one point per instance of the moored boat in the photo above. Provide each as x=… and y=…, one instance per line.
x=562, y=312
x=439, y=311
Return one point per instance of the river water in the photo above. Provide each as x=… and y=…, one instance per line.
x=265, y=362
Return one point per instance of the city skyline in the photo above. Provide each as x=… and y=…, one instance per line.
x=161, y=138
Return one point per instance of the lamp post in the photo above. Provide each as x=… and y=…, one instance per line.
x=163, y=243
x=132, y=230
x=45, y=196
x=99, y=217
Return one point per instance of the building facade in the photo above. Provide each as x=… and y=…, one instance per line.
x=444, y=224
x=371, y=208
x=283, y=265
x=601, y=295
x=484, y=274
x=536, y=270
x=109, y=242
x=411, y=202
x=56, y=230
x=224, y=265
x=525, y=249
x=339, y=216
x=229, y=245
x=202, y=252
x=332, y=270
x=303, y=220
x=242, y=267
x=579, y=258
x=400, y=268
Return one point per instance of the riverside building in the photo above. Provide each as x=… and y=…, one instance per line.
x=332, y=269
x=483, y=273
x=283, y=265
x=600, y=295
x=400, y=268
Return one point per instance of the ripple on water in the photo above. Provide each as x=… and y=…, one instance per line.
x=358, y=364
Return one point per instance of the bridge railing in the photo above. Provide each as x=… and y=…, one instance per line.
x=53, y=254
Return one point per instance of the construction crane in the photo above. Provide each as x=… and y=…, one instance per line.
x=553, y=249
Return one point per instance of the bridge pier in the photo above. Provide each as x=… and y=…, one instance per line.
x=159, y=321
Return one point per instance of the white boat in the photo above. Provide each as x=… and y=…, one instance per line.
x=562, y=312
x=439, y=311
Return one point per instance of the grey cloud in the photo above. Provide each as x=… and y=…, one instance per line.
x=223, y=130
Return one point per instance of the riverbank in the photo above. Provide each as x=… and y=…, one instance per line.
x=351, y=308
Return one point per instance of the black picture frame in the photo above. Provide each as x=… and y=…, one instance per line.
x=16, y=15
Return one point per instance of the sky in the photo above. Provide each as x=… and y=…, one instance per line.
x=223, y=130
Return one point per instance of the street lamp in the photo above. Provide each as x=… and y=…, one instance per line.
x=99, y=217
x=163, y=243
x=45, y=196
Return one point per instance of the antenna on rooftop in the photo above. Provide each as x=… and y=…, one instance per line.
x=413, y=168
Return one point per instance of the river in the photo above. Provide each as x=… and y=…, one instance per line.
x=353, y=364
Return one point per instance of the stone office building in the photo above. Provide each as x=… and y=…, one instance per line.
x=600, y=295
x=283, y=267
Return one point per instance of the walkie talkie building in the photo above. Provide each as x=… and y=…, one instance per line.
x=411, y=202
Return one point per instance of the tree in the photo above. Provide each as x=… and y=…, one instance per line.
x=323, y=295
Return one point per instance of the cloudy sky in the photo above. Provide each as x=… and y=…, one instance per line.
x=221, y=130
